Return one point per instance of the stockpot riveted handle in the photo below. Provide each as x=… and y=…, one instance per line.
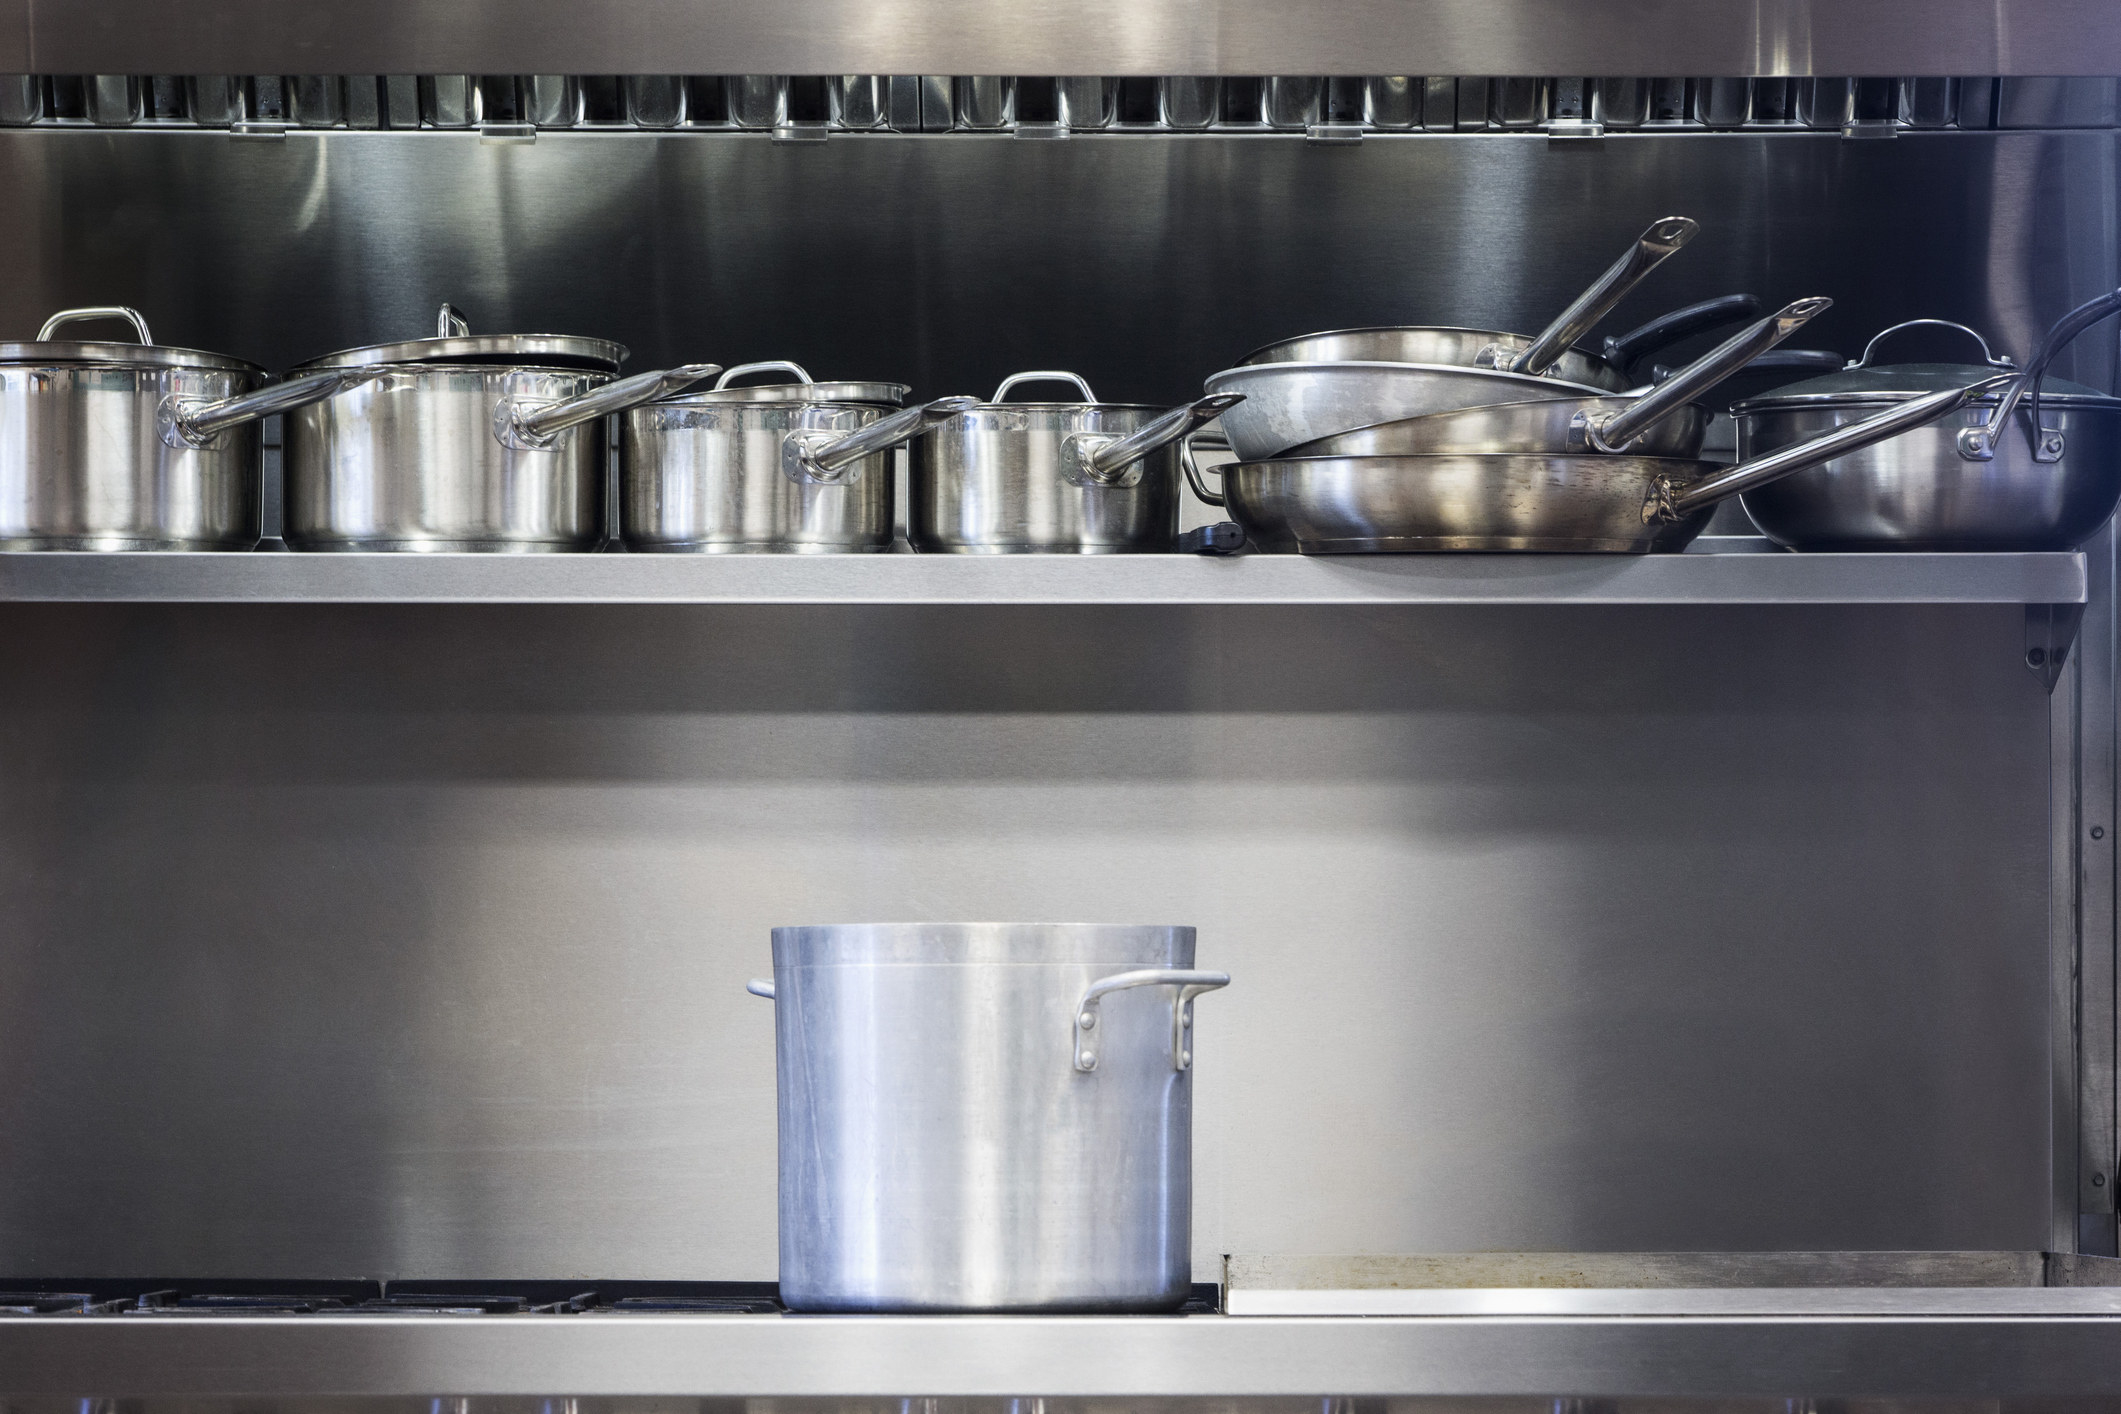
x=1099, y=459
x=1196, y=475
x=97, y=311
x=1614, y=432
x=1667, y=502
x=771, y=365
x=1189, y=984
x=760, y=987
x=1044, y=375
x=450, y=323
x=1987, y=357
x=194, y=423
x=528, y=425
x=1979, y=443
x=825, y=457
x=1651, y=249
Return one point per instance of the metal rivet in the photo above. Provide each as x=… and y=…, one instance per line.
x=1185, y=1057
x=2036, y=656
x=1089, y=1061
x=2098, y=1180
x=2098, y=832
x=1087, y=1020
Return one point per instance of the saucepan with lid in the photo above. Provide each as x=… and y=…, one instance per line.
x=1077, y=478
x=462, y=442
x=796, y=467
x=133, y=446
x=2032, y=465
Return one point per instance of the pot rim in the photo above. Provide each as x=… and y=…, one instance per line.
x=54, y=353
x=986, y=944
x=1522, y=339
x=568, y=351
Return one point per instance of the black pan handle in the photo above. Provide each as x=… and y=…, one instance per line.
x=1667, y=329
x=1776, y=361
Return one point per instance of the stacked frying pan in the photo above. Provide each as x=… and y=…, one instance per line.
x=1429, y=439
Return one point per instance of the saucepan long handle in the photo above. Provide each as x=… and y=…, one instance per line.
x=1190, y=984
x=1651, y=249
x=1669, y=504
x=827, y=461
x=1612, y=434
x=195, y=423
x=1108, y=458
x=538, y=426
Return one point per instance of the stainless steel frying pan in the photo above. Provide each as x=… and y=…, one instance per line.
x=1583, y=504
x=1663, y=421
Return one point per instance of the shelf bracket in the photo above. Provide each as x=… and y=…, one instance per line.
x=2050, y=632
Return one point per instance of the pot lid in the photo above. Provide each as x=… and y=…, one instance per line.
x=804, y=389
x=455, y=343
x=1098, y=944
x=145, y=354
x=1864, y=382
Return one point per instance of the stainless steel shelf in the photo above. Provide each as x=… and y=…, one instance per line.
x=1719, y=578
x=1614, y=37
x=1908, y=1343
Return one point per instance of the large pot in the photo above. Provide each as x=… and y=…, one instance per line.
x=1080, y=478
x=798, y=467
x=462, y=442
x=985, y=1116
x=113, y=446
x=2030, y=466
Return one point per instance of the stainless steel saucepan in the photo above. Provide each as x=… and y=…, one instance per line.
x=115, y=446
x=796, y=467
x=2033, y=466
x=1080, y=478
x=1552, y=350
x=1584, y=504
x=462, y=442
x=1662, y=421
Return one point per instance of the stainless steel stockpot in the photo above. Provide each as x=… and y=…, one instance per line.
x=114, y=446
x=2034, y=465
x=799, y=467
x=462, y=442
x=985, y=1116
x=1084, y=478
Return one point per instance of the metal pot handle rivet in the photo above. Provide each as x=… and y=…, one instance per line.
x=1190, y=985
x=97, y=311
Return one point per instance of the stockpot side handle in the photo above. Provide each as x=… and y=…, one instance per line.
x=1044, y=375
x=1651, y=249
x=760, y=987
x=1102, y=459
x=97, y=311
x=1614, y=432
x=1196, y=474
x=1669, y=503
x=194, y=423
x=1668, y=329
x=1190, y=985
x=1979, y=443
x=771, y=365
x=528, y=425
x=1988, y=356
x=826, y=457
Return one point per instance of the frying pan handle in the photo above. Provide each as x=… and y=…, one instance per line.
x=1190, y=985
x=195, y=423
x=1667, y=504
x=1103, y=461
x=536, y=427
x=97, y=311
x=1979, y=443
x=825, y=458
x=1196, y=475
x=1651, y=249
x=1611, y=434
x=1668, y=329
x=1806, y=360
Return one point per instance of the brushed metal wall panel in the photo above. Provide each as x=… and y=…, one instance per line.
x=942, y=261
x=1630, y=37
x=411, y=941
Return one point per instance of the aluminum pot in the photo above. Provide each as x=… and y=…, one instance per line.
x=985, y=1116
x=2028, y=467
x=1078, y=478
x=1555, y=504
x=799, y=467
x=462, y=442
x=115, y=446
